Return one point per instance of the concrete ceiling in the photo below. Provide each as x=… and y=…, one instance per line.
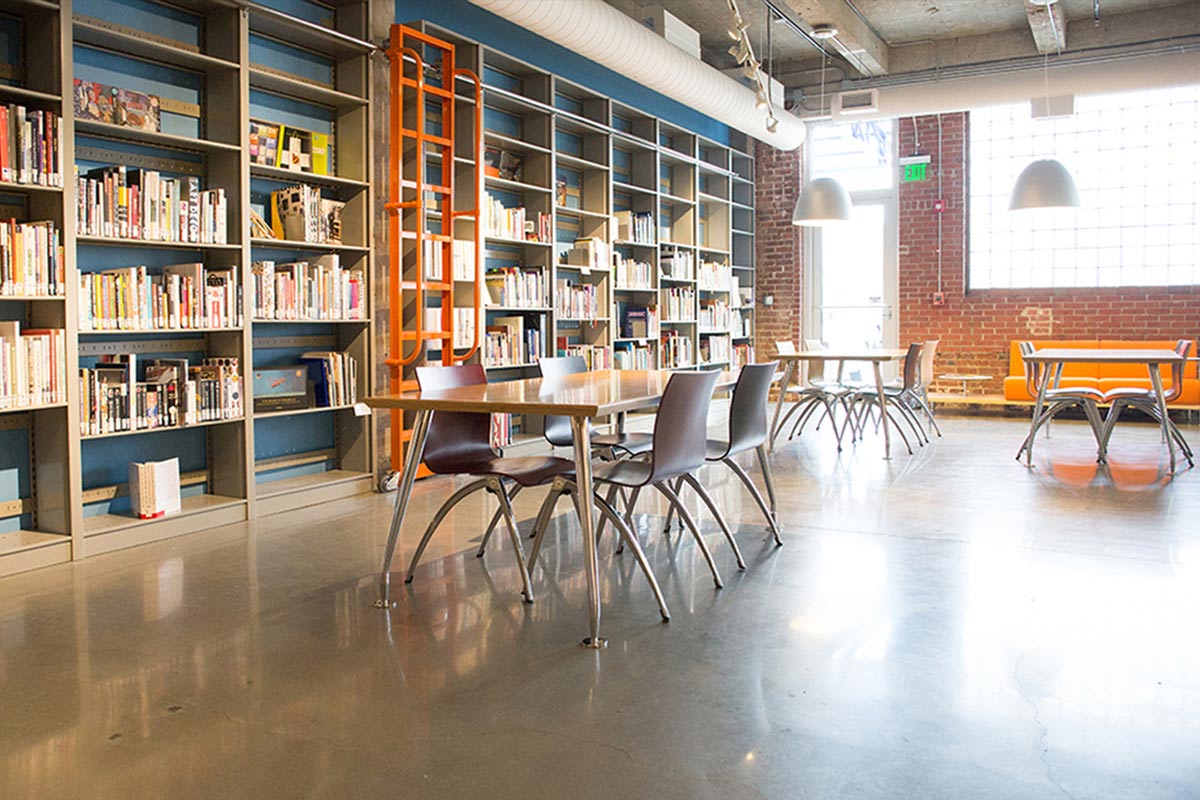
x=892, y=40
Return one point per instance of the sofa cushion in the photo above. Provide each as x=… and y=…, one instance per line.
x=1139, y=370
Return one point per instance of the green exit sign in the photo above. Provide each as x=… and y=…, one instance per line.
x=915, y=172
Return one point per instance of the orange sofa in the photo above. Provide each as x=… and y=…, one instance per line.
x=1103, y=376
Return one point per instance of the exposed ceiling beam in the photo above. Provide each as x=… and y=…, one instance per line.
x=856, y=42
x=1048, y=23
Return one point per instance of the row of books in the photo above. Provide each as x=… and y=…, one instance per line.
x=300, y=214
x=741, y=324
x=628, y=355
x=462, y=256
x=30, y=146
x=589, y=253
x=515, y=223
x=32, y=366
x=508, y=343
x=597, y=356
x=334, y=375
x=118, y=394
x=302, y=290
x=715, y=349
x=679, y=304
x=676, y=351
x=714, y=316
x=180, y=297
x=464, y=326
x=677, y=264
x=635, y=226
x=638, y=322
x=289, y=147
x=31, y=259
x=516, y=287
x=743, y=354
x=501, y=432
x=132, y=203
x=577, y=300
x=631, y=273
x=715, y=277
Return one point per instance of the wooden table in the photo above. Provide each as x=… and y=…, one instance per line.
x=1055, y=357
x=581, y=397
x=877, y=358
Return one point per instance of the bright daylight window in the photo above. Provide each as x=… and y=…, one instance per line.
x=1136, y=161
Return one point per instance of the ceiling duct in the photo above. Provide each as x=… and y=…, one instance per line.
x=599, y=32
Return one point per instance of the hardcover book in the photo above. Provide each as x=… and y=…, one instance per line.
x=116, y=106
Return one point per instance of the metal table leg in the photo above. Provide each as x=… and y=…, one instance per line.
x=1160, y=397
x=789, y=372
x=1038, y=405
x=416, y=449
x=887, y=430
x=587, y=521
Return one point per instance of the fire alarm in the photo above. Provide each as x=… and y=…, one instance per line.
x=939, y=298
x=939, y=205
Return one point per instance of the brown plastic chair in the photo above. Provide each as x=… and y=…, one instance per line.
x=459, y=443
x=1056, y=400
x=679, y=450
x=1146, y=401
x=557, y=430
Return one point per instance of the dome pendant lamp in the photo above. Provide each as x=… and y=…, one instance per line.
x=823, y=200
x=1045, y=183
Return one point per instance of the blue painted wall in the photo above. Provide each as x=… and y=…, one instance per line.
x=473, y=22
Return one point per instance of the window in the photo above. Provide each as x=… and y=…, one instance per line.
x=1136, y=161
x=859, y=155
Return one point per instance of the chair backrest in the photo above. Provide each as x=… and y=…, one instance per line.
x=456, y=439
x=557, y=430
x=1182, y=347
x=927, y=356
x=748, y=407
x=785, y=348
x=912, y=367
x=681, y=425
x=1031, y=369
x=814, y=368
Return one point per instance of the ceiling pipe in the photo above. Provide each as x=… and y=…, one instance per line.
x=601, y=33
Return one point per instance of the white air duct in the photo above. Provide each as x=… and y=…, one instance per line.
x=597, y=31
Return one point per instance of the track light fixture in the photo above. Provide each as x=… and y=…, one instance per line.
x=743, y=51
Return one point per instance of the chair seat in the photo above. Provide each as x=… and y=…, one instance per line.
x=624, y=473
x=633, y=443
x=1131, y=393
x=525, y=470
x=1081, y=392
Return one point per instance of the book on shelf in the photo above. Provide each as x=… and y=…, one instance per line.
x=632, y=355
x=631, y=273
x=715, y=276
x=743, y=354
x=508, y=343
x=714, y=315
x=259, y=227
x=302, y=290
x=291, y=148
x=117, y=395
x=464, y=327
x=677, y=264
x=31, y=259
x=181, y=297
x=679, y=303
x=131, y=203
x=676, y=350
x=300, y=214
x=501, y=431
x=514, y=223
x=714, y=349
x=505, y=164
x=154, y=488
x=264, y=143
x=590, y=253
x=638, y=322
x=334, y=375
x=30, y=146
x=32, y=366
x=463, y=255
x=115, y=106
x=596, y=356
x=635, y=226
x=577, y=300
x=516, y=287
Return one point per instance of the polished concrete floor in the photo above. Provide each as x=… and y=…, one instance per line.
x=945, y=625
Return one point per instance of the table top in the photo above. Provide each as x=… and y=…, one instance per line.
x=1067, y=355
x=844, y=355
x=587, y=394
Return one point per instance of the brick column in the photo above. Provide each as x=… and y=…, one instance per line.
x=777, y=246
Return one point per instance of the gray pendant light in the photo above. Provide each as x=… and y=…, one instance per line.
x=1044, y=184
x=823, y=200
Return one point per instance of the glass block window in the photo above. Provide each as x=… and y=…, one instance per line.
x=1136, y=160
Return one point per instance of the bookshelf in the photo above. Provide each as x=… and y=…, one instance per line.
x=659, y=201
x=216, y=67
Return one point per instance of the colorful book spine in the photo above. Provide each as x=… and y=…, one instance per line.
x=31, y=260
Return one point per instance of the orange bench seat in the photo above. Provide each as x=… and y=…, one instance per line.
x=1103, y=377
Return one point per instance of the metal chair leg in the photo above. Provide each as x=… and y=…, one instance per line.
x=671, y=496
x=496, y=487
x=758, y=498
x=543, y=519
x=671, y=509
x=699, y=489
x=452, y=501
x=516, y=490
x=627, y=536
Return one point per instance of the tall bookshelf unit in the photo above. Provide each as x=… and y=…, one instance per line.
x=216, y=67
x=588, y=164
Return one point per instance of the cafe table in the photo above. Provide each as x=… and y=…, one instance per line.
x=875, y=357
x=581, y=397
x=1054, y=359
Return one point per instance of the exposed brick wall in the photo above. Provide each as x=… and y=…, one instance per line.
x=778, y=258
x=975, y=329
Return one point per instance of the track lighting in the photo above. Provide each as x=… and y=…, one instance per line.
x=743, y=51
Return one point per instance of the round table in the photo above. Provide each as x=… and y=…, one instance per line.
x=965, y=378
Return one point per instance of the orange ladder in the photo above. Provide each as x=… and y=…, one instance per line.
x=424, y=76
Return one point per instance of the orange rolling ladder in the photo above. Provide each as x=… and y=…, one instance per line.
x=409, y=187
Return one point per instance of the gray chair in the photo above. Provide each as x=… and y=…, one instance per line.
x=1058, y=399
x=1146, y=401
